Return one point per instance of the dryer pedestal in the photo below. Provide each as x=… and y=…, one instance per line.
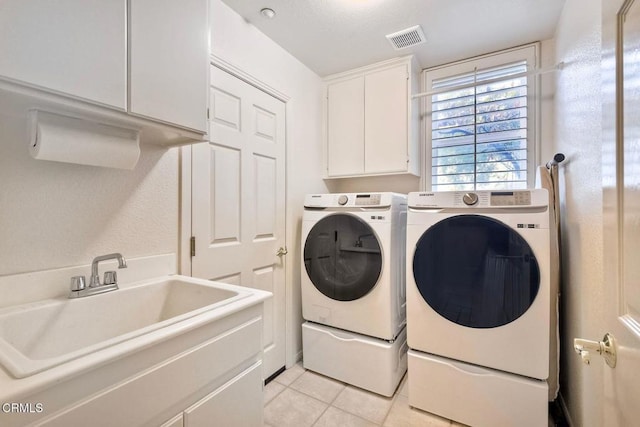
x=474, y=395
x=369, y=363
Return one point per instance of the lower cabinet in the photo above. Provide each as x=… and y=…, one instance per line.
x=216, y=382
x=239, y=403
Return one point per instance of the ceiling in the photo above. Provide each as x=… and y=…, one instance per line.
x=331, y=36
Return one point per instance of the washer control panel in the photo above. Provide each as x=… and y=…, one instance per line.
x=510, y=198
x=470, y=199
x=368, y=199
x=352, y=200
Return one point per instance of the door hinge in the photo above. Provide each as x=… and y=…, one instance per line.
x=208, y=114
x=193, y=246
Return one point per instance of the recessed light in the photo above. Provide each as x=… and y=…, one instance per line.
x=268, y=13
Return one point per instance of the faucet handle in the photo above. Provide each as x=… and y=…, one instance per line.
x=110, y=278
x=78, y=283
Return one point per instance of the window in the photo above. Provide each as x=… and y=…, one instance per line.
x=480, y=123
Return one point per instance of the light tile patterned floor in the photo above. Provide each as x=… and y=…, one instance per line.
x=301, y=398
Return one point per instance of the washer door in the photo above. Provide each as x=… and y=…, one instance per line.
x=342, y=257
x=476, y=271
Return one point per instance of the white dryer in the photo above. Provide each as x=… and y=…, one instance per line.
x=353, y=288
x=479, y=271
x=353, y=262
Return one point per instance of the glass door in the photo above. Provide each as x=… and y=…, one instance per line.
x=342, y=257
x=476, y=271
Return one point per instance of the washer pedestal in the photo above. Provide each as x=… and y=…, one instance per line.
x=369, y=363
x=474, y=395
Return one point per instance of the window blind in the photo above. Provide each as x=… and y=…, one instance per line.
x=479, y=133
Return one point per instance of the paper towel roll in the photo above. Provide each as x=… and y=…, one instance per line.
x=68, y=139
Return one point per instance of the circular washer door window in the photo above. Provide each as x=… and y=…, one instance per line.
x=476, y=271
x=342, y=257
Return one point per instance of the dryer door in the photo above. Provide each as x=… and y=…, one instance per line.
x=342, y=257
x=476, y=271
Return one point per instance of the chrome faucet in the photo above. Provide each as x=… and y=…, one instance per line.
x=78, y=283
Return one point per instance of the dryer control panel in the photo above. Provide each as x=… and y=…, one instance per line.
x=480, y=199
x=510, y=198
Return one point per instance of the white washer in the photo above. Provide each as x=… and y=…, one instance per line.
x=353, y=288
x=353, y=262
x=478, y=305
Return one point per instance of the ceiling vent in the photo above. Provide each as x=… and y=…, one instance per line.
x=407, y=38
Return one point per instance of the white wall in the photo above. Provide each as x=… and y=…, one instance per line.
x=579, y=136
x=55, y=215
x=241, y=44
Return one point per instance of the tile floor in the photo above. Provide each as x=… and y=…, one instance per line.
x=301, y=398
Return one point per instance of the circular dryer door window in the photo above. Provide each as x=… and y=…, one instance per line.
x=342, y=257
x=476, y=271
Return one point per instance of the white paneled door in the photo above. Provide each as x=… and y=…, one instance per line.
x=238, y=200
x=621, y=173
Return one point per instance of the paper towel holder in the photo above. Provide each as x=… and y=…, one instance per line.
x=71, y=139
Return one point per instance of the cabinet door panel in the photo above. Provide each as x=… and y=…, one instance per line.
x=386, y=120
x=237, y=403
x=171, y=382
x=77, y=47
x=169, y=61
x=345, y=127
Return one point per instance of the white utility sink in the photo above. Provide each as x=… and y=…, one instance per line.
x=38, y=336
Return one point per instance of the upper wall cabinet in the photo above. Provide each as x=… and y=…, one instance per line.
x=169, y=73
x=371, y=122
x=138, y=63
x=75, y=47
x=345, y=127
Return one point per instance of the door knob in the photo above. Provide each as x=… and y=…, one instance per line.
x=282, y=251
x=605, y=348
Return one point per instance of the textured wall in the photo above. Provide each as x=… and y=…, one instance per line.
x=55, y=215
x=579, y=136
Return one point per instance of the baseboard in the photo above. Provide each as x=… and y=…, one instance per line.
x=275, y=374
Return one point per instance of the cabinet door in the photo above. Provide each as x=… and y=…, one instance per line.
x=76, y=47
x=169, y=59
x=238, y=403
x=386, y=120
x=345, y=127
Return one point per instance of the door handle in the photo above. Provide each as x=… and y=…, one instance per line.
x=282, y=251
x=605, y=348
